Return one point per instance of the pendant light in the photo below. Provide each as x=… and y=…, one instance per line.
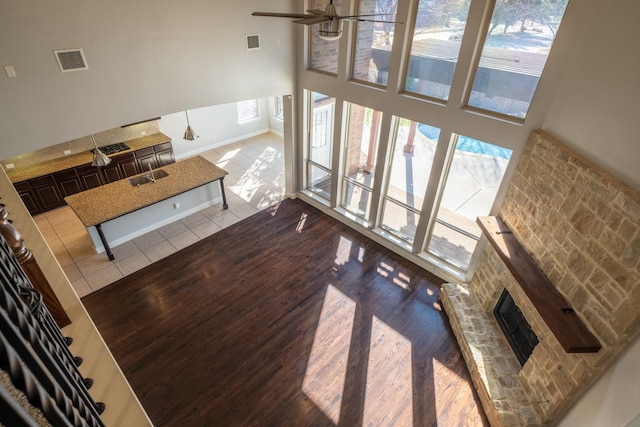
x=99, y=158
x=188, y=134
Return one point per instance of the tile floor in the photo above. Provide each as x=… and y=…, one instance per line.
x=255, y=181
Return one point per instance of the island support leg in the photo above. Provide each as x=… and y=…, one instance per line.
x=104, y=242
x=224, y=198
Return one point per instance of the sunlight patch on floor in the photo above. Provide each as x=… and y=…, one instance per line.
x=344, y=251
x=325, y=376
x=389, y=393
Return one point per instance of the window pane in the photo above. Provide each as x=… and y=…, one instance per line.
x=319, y=181
x=247, y=110
x=278, y=107
x=322, y=109
x=474, y=177
x=362, y=144
x=452, y=246
x=324, y=53
x=436, y=43
x=374, y=41
x=413, y=153
x=356, y=199
x=399, y=220
x=514, y=54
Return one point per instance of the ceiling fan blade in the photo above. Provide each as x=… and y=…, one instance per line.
x=313, y=20
x=283, y=15
x=355, y=18
x=316, y=11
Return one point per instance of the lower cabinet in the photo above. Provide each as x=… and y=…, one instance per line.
x=48, y=192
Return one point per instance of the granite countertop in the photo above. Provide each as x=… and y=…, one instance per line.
x=110, y=201
x=66, y=162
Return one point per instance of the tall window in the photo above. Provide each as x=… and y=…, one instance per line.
x=360, y=159
x=515, y=52
x=323, y=53
x=439, y=26
x=468, y=190
x=373, y=41
x=411, y=160
x=319, y=149
x=248, y=110
x=279, y=114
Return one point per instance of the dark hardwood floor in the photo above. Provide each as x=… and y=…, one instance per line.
x=288, y=318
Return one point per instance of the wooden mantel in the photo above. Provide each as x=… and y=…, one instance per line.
x=562, y=320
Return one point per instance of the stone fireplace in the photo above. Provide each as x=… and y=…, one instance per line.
x=581, y=227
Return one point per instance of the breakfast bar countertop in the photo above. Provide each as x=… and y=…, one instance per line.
x=113, y=200
x=66, y=162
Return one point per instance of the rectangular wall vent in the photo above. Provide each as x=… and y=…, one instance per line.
x=253, y=41
x=71, y=60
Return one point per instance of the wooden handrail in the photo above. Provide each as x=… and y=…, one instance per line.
x=560, y=317
x=32, y=269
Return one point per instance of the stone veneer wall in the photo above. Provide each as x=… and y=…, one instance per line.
x=582, y=226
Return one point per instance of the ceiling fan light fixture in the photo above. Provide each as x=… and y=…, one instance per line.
x=330, y=30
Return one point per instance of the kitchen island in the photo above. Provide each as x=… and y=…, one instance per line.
x=123, y=211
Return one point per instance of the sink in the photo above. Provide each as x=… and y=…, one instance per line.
x=147, y=178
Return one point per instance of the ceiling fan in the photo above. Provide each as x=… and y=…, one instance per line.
x=329, y=20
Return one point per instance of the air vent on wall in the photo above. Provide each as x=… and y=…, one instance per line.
x=71, y=60
x=253, y=41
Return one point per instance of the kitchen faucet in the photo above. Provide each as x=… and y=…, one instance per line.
x=152, y=178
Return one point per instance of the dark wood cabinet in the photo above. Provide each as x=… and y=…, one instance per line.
x=28, y=197
x=121, y=167
x=146, y=158
x=47, y=192
x=89, y=176
x=68, y=182
x=164, y=154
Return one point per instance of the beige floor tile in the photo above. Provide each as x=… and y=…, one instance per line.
x=133, y=263
x=104, y=277
x=77, y=238
x=215, y=210
x=183, y=240
x=93, y=263
x=125, y=250
x=225, y=219
x=171, y=230
x=244, y=211
x=82, y=251
x=206, y=229
x=150, y=239
x=70, y=227
x=82, y=288
x=73, y=272
x=42, y=221
x=195, y=220
x=60, y=216
x=48, y=233
x=159, y=251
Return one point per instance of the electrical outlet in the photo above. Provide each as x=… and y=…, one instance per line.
x=176, y=205
x=9, y=166
x=67, y=152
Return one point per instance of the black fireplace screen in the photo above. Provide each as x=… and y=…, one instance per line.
x=515, y=327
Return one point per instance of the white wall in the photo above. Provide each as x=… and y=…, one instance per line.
x=146, y=59
x=614, y=400
x=214, y=126
x=596, y=108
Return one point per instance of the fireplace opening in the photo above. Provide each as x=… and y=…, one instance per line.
x=515, y=327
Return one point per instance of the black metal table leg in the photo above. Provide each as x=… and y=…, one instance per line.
x=104, y=242
x=224, y=198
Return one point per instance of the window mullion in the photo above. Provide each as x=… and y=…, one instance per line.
x=340, y=117
x=382, y=169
